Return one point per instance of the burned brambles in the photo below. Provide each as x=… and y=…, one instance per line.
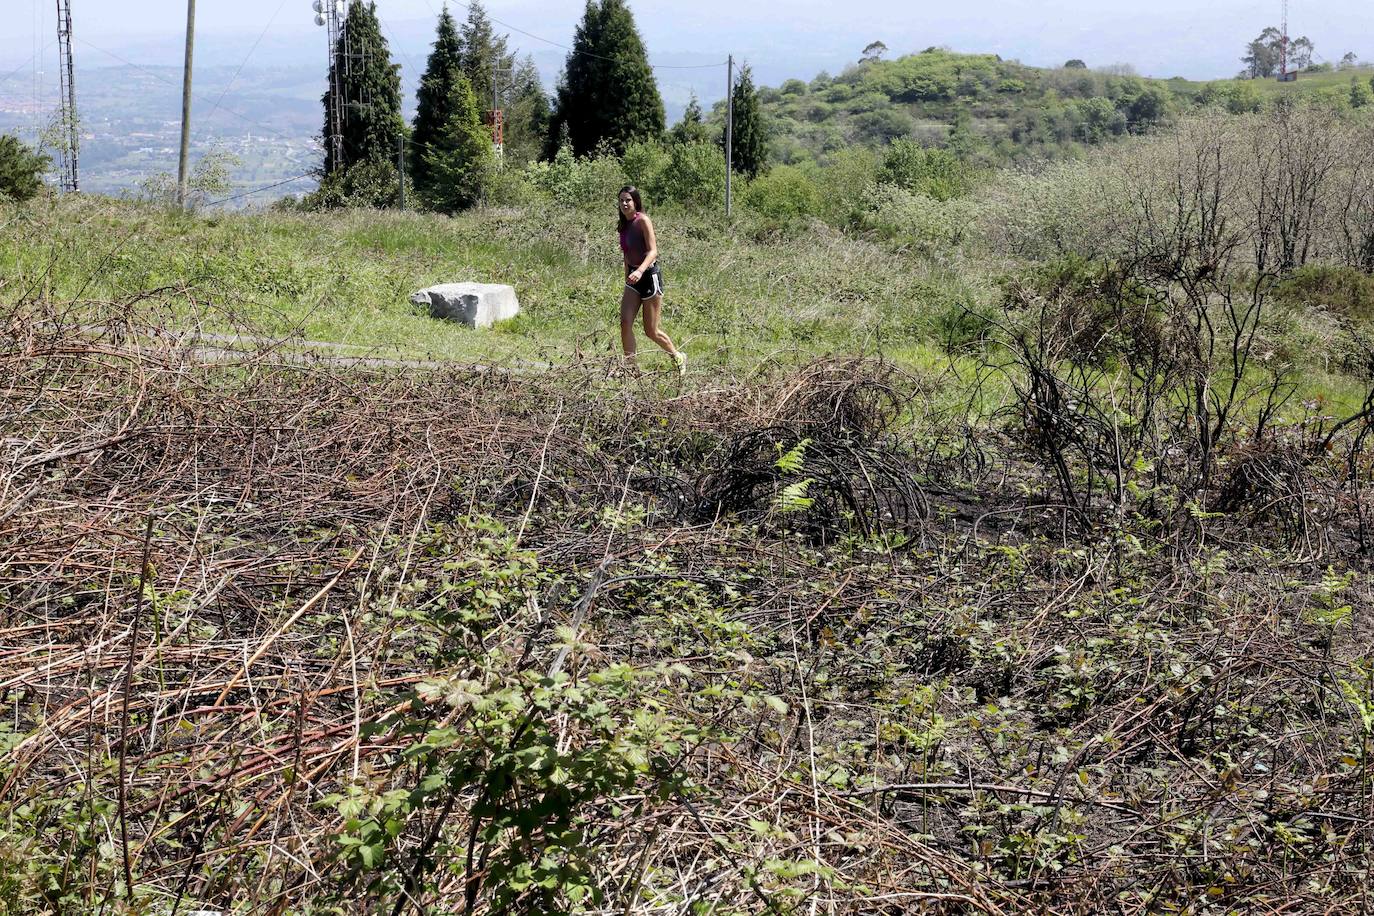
x=489, y=641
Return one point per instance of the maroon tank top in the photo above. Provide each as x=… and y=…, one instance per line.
x=633, y=242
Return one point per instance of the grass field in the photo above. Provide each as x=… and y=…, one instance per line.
x=732, y=299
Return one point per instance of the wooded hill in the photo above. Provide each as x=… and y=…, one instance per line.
x=1004, y=109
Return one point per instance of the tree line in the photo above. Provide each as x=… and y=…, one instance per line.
x=606, y=101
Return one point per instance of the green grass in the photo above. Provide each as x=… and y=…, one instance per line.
x=736, y=296
x=1307, y=83
x=740, y=296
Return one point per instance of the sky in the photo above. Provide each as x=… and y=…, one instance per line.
x=781, y=40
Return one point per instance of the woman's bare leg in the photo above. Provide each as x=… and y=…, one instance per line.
x=629, y=307
x=653, y=312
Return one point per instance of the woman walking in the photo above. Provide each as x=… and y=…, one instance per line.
x=643, y=279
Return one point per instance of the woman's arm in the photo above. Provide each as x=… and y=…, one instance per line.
x=650, y=242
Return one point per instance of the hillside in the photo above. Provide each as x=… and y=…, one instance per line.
x=1001, y=551
x=1007, y=109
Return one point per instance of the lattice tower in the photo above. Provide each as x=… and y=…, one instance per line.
x=71, y=136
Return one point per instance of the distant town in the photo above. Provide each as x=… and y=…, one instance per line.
x=130, y=126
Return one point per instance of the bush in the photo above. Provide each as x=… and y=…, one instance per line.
x=368, y=184
x=209, y=179
x=846, y=186
x=783, y=193
x=690, y=174
x=21, y=168
x=695, y=176
x=919, y=220
x=578, y=182
x=1343, y=291
x=644, y=164
x=510, y=187
x=937, y=173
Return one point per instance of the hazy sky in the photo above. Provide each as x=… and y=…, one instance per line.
x=1159, y=37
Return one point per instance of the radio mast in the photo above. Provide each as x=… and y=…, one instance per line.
x=1284, y=75
x=330, y=14
x=71, y=136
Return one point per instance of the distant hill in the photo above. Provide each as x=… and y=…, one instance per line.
x=268, y=116
x=1008, y=109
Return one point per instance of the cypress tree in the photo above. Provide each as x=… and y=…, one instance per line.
x=608, y=92
x=482, y=50
x=692, y=127
x=748, y=144
x=457, y=162
x=435, y=97
x=371, y=91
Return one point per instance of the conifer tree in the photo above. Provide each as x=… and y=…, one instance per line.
x=692, y=127
x=748, y=142
x=435, y=97
x=482, y=50
x=608, y=92
x=370, y=86
x=458, y=160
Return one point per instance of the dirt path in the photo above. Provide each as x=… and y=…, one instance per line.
x=218, y=347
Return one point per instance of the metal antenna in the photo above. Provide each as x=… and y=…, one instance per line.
x=329, y=13
x=71, y=136
x=1283, y=44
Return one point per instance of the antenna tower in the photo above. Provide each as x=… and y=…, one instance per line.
x=71, y=138
x=1284, y=75
x=330, y=14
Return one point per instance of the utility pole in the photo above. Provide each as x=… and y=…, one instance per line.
x=729, y=126
x=71, y=140
x=498, y=119
x=186, y=105
x=401, y=167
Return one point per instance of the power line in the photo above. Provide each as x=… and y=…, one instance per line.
x=160, y=78
x=15, y=72
x=244, y=62
x=225, y=200
x=402, y=50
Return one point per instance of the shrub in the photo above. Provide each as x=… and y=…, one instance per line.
x=1343, y=291
x=1097, y=120
x=209, y=179
x=934, y=172
x=579, y=181
x=695, y=176
x=371, y=183
x=920, y=220
x=21, y=168
x=510, y=187
x=783, y=193
x=644, y=164
x=846, y=185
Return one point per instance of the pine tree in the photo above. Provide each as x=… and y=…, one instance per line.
x=371, y=92
x=483, y=50
x=435, y=97
x=692, y=127
x=608, y=92
x=749, y=143
x=457, y=162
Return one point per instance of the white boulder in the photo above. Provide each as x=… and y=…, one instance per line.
x=476, y=305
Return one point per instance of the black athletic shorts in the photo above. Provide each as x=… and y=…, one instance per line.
x=650, y=284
